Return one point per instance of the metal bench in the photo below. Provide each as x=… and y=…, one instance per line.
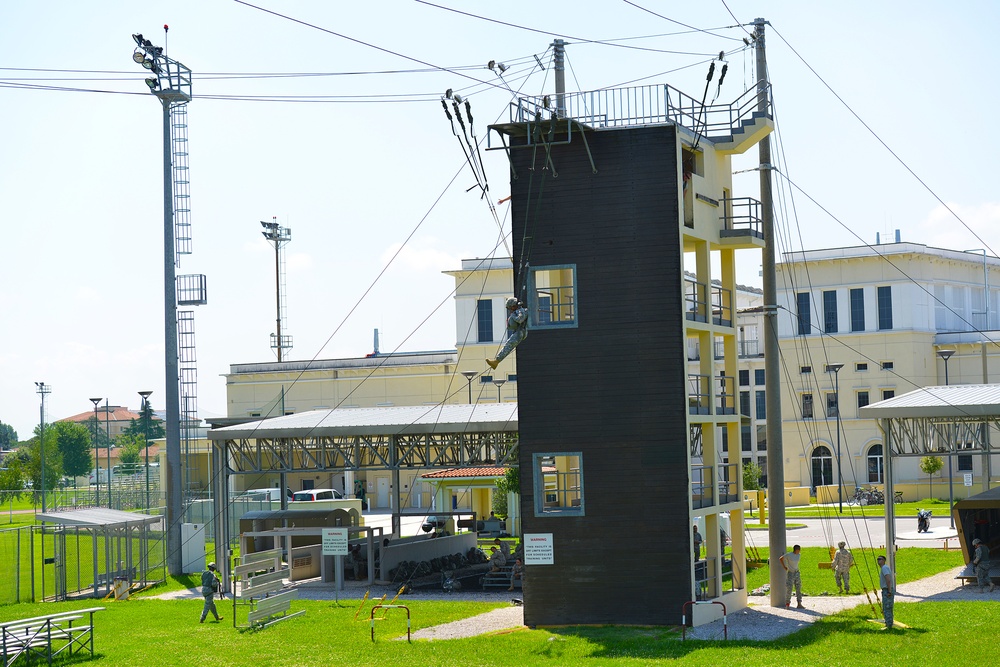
x=47, y=636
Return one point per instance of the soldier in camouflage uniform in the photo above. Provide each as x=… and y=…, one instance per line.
x=982, y=564
x=842, y=562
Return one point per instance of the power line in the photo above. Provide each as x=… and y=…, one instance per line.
x=884, y=145
x=667, y=18
x=550, y=33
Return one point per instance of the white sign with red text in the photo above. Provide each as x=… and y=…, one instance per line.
x=538, y=549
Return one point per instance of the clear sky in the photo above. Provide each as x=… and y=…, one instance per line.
x=361, y=165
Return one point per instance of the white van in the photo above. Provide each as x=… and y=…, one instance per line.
x=317, y=494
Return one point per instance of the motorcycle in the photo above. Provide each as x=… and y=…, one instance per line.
x=923, y=521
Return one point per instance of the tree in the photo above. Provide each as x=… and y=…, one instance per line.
x=129, y=453
x=751, y=476
x=509, y=483
x=138, y=426
x=98, y=433
x=930, y=465
x=8, y=436
x=53, y=460
x=12, y=477
x=73, y=441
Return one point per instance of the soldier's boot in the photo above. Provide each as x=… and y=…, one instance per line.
x=492, y=363
x=992, y=587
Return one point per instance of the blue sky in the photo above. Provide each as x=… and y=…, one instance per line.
x=80, y=172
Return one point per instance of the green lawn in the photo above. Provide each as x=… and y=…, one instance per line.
x=139, y=632
x=939, y=507
x=911, y=564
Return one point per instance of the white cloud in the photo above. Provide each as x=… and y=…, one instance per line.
x=941, y=228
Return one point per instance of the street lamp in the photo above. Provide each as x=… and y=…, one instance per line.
x=171, y=84
x=107, y=427
x=499, y=383
x=836, y=397
x=145, y=434
x=97, y=456
x=946, y=355
x=468, y=375
x=42, y=390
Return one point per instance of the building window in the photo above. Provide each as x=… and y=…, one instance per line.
x=832, y=409
x=888, y=365
x=805, y=369
x=744, y=378
x=485, y=379
x=862, y=399
x=857, y=309
x=552, y=297
x=888, y=393
x=822, y=467
x=758, y=377
x=884, y=307
x=512, y=377
x=860, y=367
x=761, y=438
x=745, y=403
x=745, y=440
x=484, y=317
x=805, y=323
x=875, y=464
x=830, y=311
x=807, y=406
x=964, y=460
x=761, y=405
x=558, y=484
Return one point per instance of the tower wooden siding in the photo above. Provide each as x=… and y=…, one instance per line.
x=612, y=388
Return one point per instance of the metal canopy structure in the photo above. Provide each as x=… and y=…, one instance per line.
x=382, y=438
x=929, y=421
x=120, y=545
x=939, y=420
x=387, y=438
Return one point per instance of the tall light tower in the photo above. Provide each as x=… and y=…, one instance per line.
x=280, y=237
x=171, y=84
x=43, y=390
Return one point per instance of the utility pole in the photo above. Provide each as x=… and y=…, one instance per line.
x=772, y=363
x=559, y=59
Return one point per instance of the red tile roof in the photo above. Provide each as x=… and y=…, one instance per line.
x=465, y=472
x=115, y=413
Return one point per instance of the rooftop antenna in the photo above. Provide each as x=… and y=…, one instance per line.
x=280, y=237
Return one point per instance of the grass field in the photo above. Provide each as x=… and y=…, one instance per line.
x=911, y=564
x=141, y=632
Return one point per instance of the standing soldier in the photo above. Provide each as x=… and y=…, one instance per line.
x=697, y=543
x=209, y=585
x=887, y=582
x=793, y=578
x=982, y=564
x=843, y=560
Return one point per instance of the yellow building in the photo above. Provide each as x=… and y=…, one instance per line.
x=882, y=315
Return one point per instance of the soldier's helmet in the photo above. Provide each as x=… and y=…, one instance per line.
x=511, y=302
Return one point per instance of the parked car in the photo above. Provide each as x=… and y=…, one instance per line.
x=317, y=494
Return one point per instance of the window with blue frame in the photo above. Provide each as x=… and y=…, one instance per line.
x=805, y=321
x=830, y=311
x=758, y=377
x=484, y=318
x=744, y=378
x=884, y=308
x=552, y=297
x=558, y=484
x=857, y=309
x=761, y=405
